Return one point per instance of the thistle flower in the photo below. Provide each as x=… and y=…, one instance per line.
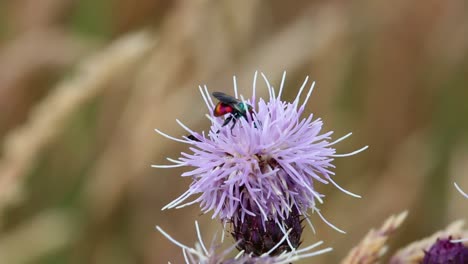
x=200, y=254
x=414, y=253
x=444, y=251
x=266, y=165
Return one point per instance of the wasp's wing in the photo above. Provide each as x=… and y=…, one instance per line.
x=224, y=98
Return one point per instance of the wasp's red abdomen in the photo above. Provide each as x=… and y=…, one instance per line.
x=222, y=109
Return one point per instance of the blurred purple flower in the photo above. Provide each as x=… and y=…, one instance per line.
x=444, y=251
x=267, y=165
x=201, y=254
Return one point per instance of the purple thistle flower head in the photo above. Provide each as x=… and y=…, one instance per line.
x=445, y=251
x=266, y=164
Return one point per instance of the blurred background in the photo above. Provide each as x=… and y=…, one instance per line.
x=83, y=85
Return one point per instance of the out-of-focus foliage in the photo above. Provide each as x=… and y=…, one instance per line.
x=84, y=83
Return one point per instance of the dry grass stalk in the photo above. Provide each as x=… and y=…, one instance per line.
x=47, y=119
x=30, y=15
x=414, y=252
x=38, y=50
x=372, y=247
x=42, y=234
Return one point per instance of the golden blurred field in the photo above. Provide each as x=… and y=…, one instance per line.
x=83, y=85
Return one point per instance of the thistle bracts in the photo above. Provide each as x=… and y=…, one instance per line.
x=256, y=236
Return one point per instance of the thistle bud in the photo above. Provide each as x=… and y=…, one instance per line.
x=258, y=237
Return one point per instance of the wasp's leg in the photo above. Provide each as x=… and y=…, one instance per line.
x=233, y=123
x=227, y=120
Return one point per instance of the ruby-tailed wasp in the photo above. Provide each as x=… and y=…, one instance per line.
x=229, y=105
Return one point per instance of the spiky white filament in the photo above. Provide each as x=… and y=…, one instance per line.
x=209, y=97
x=328, y=223
x=234, y=80
x=460, y=190
x=309, y=247
x=270, y=89
x=207, y=103
x=184, y=196
x=172, y=138
x=239, y=254
x=167, y=166
x=296, y=101
x=285, y=234
x=311, y=89
x=462, y=240
x=223, y=234
x=343, y=189
x=186, y=128
x=351, y=153
x=200, y=239
x=290, y=258
x=254, y=87
x=185, y=256
x=340, y=139
x=307, y=218
x=281, y=85
x=187, y=204
x=189, y=249
x=285, y=237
